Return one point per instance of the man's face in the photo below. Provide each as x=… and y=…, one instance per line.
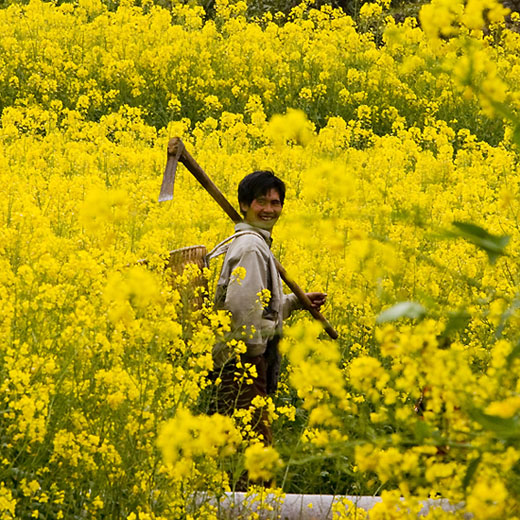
x=264, y=210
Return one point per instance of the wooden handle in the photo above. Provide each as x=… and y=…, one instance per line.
x=304, y=300
x=201, y=176
x=190, y=163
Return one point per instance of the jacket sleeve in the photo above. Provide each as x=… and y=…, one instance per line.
x=242, y=301
x=290, y=303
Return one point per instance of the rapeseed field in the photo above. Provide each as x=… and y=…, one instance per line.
x=398, y=142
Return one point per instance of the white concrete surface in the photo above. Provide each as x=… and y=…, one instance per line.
x=301, y=507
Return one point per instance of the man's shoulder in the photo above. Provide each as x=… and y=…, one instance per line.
x=249, y=242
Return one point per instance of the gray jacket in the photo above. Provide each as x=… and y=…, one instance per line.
x=252, y=322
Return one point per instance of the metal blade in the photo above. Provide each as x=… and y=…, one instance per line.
x=168, y=178
x=175, y=149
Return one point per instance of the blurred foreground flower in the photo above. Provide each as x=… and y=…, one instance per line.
x=261, y=461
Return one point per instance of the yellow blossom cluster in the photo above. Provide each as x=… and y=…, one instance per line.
x=94, y=62
x=398, y=143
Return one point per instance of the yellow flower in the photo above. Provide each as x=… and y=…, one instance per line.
x=506, y=408
x=187, y=438
x=261, y=461
x=7, y=502
x=238, y=275
x=264, y=297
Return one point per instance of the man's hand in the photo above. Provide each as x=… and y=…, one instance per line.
x=317, y=299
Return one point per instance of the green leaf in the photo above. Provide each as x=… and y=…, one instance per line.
x=505, y=429
x=412, y=310
x=513, y=354
x=493, y=245
x=422, y=431
x=506, y=315
x=516, y=135
x=473, y=465
x=456, y=321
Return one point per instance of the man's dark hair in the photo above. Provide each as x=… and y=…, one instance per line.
x=257, y=184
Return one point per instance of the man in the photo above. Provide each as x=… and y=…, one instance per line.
x=250, y=288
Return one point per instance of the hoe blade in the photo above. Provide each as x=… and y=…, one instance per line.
x=175, y=149
x=168, y=179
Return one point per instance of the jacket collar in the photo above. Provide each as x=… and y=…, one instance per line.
x=244, y=226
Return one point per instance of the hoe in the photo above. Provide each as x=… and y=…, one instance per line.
x=177, y=152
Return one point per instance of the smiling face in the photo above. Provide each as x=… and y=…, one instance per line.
x=264, y=211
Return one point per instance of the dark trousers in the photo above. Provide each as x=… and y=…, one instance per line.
x=234, y=392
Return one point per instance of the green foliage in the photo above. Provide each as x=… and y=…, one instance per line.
x=412, y=310
x=493, y=245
